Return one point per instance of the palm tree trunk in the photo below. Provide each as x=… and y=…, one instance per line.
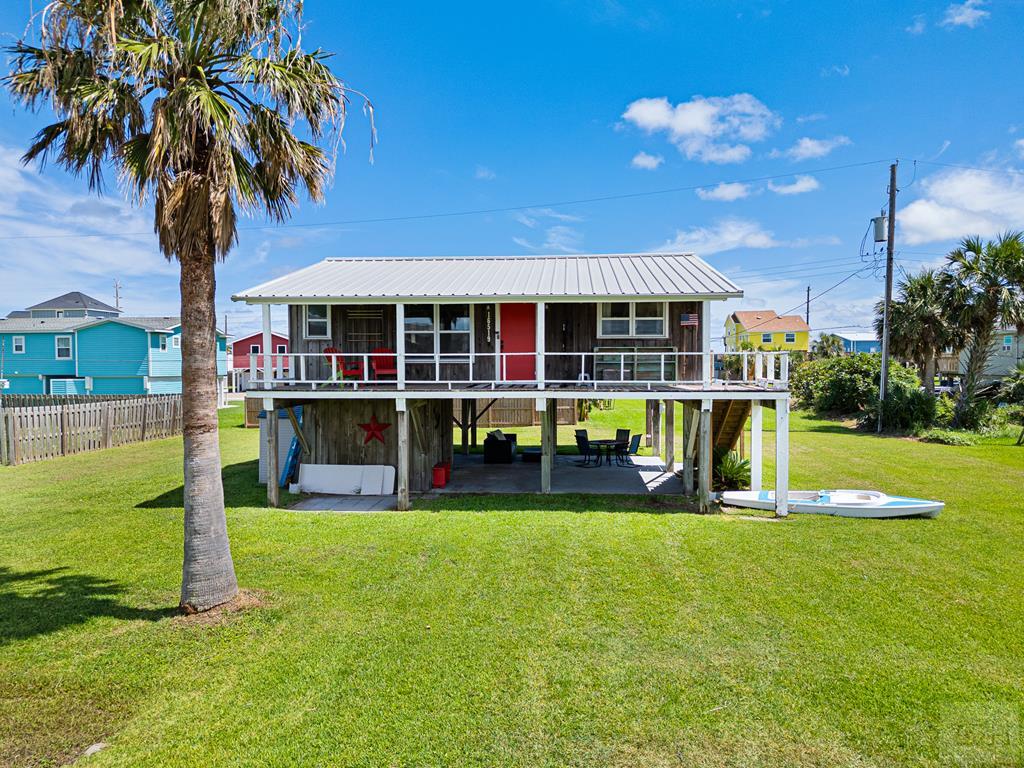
x=978, y=352
x=929, y=374
x=208, y=573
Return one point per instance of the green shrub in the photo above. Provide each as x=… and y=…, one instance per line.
x=945, y=407
x=949, y=437
x=1012, y=390
x=907, y=408
x=729, y=472
x=847, y=384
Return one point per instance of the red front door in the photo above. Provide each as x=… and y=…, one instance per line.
x=519, y=334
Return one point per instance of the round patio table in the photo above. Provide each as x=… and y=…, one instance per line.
x=609, y=445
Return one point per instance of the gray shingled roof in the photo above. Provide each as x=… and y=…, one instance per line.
x=561, y=277
x=74, y=300
x=30, y=324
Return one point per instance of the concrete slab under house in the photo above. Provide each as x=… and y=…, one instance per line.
x=386, y=354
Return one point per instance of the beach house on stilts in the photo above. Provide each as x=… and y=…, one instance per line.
x=387, y=356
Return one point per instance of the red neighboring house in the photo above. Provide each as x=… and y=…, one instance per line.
x=246, y=346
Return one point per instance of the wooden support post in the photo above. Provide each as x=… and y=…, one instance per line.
x=782, y=457
x=403, y=454
x=756, y=462
x=3, y=437
x=707, y=360
x=648, y=426
x=688, y=446
x=546, y=458
x=670, y=435
x=475, y=420
x=467, y=414
x=656, y=428
x=273, y=470
x=704, y=458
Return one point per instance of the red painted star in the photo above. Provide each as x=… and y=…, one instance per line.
x=374, y=430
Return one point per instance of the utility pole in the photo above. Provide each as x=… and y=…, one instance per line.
x=117, y=293
x=807, y=307
x=890, y=245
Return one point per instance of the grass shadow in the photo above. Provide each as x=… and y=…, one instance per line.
x=572, y=502
x=34, y=603
x=241, y=489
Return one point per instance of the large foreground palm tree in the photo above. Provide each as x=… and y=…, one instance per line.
x=197, y=104
x=920, y=327
x=980, y=292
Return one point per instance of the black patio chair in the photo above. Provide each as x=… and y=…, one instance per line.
x=624, y=452
x=591, y=458
x=621, y=445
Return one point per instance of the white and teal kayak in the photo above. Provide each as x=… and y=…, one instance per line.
x=844, y=503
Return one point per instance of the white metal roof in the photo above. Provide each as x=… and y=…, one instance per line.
x=857, y=335
x=561, y=277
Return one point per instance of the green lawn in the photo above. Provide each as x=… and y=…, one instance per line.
x=535, y=633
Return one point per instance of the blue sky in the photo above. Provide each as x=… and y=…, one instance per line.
x=481, y=106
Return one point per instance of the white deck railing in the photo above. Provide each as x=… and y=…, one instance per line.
x=590, y=370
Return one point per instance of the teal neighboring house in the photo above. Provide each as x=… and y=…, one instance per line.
x=77, y=345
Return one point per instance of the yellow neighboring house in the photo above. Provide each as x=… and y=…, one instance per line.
x=764, y=329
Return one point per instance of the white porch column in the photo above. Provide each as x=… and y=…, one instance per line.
x=403, y=453
x=400, y=343
x=704, y=457
x=540, y=345
x=707, y=364
x=782, y=457
x=268, y=341
x=756, y=417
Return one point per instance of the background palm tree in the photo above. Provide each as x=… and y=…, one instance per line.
x=195, y=103
x=979, y=292
x=920, y=327
x=828, y=345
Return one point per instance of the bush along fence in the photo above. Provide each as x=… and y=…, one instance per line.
x=38, y=427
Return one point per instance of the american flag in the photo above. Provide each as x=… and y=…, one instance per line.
x=689, y=319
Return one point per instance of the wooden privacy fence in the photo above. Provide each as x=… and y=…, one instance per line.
x=37, y=432
x=520, y=412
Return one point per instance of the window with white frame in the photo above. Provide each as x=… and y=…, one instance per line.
x=282, y=349
x=176, y=342
x=791, y=338
x=162, y=342
x=1007, y=343
x=318, y=321
x=62, y=345
x=766, y=338
x=254, y=349
x=628, y=319
x=18, y=345
x=441, y=328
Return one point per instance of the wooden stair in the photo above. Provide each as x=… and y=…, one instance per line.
x=728, y=419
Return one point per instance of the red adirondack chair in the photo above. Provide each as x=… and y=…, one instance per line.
x=384, y=362
x=344, y=368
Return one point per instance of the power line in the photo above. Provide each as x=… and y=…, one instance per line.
x=482, y=211
x=1008, y=171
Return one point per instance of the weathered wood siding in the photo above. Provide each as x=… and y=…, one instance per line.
x=569, y=327
x=332, y=429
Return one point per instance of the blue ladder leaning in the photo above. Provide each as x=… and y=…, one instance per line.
x=291, y=463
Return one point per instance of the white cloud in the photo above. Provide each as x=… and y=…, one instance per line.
x=718, y=129
x=483, y=173
x=967, y=14
x=560, y=237
x=839, y=70
x=58, y=241
x=813, y=117
x=963, y=202
x=917, y=27
x=724, y=235
x=1018, y=145
x=799, y=185
x=807, y=148
x=645, y=161
x=725, y=192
